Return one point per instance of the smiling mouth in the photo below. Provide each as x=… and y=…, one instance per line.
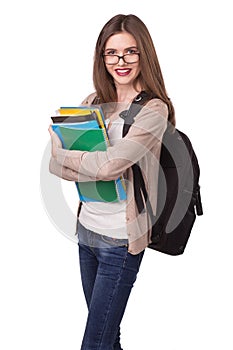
x=123, y=72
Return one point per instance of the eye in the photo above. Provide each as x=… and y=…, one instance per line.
x=132, y=50
x=110, y=52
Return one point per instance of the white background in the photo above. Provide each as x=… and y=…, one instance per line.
x=47, y=47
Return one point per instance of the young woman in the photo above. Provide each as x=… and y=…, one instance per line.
x=113, y=236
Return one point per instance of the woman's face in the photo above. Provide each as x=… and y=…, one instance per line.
x=123, y=73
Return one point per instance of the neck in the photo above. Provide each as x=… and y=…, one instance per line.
x=125, y=94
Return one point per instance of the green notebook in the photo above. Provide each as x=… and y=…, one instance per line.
x=83, y=139
x=79, y=137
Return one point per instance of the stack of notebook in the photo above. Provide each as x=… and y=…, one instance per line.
x=83, y=128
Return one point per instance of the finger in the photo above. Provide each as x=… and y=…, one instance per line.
x=51, y=130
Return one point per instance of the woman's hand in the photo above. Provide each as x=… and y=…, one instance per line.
x=56, y=142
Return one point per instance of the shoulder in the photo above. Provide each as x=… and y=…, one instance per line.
x=152, y=117
x=157, y=105
x=88, y=100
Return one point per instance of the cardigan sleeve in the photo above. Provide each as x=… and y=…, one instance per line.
x=65, y=173
x=145, y=133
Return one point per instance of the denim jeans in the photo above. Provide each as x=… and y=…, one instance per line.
x=108, y=272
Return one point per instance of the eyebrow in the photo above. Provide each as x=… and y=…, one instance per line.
x=127, y=48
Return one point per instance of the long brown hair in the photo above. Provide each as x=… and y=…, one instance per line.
x=150, y=76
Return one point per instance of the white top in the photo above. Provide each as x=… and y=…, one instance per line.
x=108, y=219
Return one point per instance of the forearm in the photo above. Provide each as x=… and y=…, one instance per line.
x=65, y=173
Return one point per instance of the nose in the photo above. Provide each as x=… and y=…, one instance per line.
x=121, y=61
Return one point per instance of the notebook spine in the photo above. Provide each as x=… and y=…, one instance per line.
x=106, y=139
x=101, y=123
x=122, y=185
x=117, y=190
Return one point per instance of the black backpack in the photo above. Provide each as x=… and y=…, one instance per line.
x=179, y=199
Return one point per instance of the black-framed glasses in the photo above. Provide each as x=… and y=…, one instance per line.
x=127, y=58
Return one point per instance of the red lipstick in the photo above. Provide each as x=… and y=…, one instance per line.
x=122, y=72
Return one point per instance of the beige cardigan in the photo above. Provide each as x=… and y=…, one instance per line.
x=142, y=144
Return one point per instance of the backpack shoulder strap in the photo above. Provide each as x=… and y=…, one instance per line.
x=129, y=115
x=138, y=181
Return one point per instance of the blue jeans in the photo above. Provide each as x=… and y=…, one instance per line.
x=108, y=272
